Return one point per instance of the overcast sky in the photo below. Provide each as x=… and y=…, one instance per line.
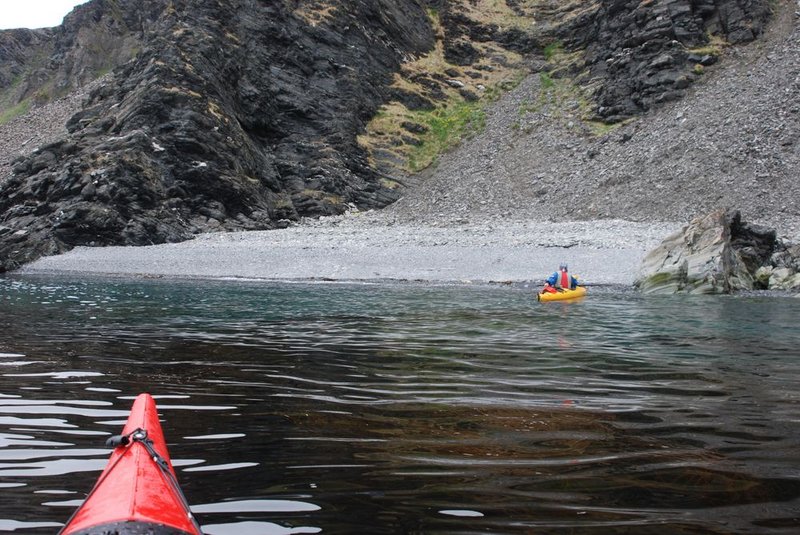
x=34, y=13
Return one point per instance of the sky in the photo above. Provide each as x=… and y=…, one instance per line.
x=34, y=13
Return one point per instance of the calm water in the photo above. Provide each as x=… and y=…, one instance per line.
x=323, y=408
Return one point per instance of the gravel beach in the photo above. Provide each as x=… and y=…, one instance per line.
x=369, y=246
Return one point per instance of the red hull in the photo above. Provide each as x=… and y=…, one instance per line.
x=134, y=490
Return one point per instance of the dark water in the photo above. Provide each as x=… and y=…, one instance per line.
x=321, y=408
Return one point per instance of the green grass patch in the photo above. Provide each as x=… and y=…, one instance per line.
x=547, y=81
x=553, y=50
x=715, y=46
x=389, y=183
x=529, y=107
x=563, y=100
x=20, y=109
x=599, y=128
x=447, y=126
x=561, y=95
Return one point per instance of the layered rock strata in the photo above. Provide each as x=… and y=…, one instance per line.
x=719, y=253
x=233, y=115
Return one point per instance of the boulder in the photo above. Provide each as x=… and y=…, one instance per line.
x=718, y=253
x=784, y=279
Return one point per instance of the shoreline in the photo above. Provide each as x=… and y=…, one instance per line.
x=359, y=247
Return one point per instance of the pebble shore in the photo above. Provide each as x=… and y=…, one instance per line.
x=368, y=246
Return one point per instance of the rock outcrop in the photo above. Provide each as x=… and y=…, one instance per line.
x=648, y=52
x=719, y=253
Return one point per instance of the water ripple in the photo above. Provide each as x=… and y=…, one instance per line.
x=408, y=408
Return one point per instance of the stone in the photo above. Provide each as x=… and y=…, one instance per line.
x=782, y=279
x=713, y=254
x=761, y=277
x=414, y=128
x=631, y=44
x=461, y=52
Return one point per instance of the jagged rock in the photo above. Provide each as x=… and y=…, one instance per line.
x=642, y=51
x=783, y=279
x=716, y=253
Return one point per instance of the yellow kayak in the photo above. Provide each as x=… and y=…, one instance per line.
x=562, y=295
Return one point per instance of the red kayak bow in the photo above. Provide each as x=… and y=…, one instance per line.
x=138, y=491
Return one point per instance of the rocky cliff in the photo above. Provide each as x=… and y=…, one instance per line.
x=650, y=51
x=732, y=141
x=245, y=114
x=232, y=115
x=37, y=66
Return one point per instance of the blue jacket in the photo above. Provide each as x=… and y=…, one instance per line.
x=573, y=282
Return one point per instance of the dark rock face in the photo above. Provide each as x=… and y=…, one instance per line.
x=234, y=115
x=645, y=52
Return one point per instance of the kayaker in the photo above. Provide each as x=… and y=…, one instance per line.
x=560, y=280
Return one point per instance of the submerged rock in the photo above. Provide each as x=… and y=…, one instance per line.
x=719, y=253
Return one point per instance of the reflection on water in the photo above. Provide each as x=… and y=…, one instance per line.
x=311, y=408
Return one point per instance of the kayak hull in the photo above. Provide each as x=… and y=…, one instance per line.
x=131, y=528
x=136, y=493
x=562, y=295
